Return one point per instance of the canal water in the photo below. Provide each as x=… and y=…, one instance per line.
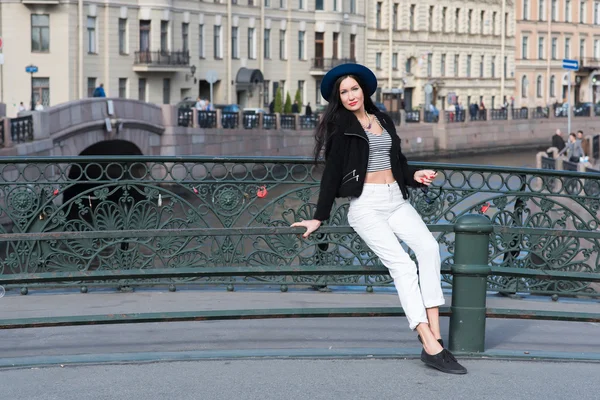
x=521, y=158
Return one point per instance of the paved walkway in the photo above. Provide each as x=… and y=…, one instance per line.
x=311, y=337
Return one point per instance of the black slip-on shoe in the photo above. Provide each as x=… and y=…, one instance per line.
x=440, y=341
x=443, y=361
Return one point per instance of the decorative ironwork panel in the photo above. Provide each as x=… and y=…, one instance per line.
x=21, y=129
x=230, y=120
x=207, y=119
x=185, y=117
x=287, y=121
x=135, y=194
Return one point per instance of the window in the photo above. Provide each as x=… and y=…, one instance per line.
x=267, y=3
x=568, y=10
x=469, y=66
x=142, y=89
x=395, y=61
x=597, y=49
x=505, y=67
x=319, y=6
x=41, y=91
x=335, y=5
x=234, y=43
x=408, y=66
x=318, y=91
x=164, y=36
x=91, y=86
x=378, y=16
x=282, y=55
x=456, y=59
x=494, y=14
x=217, y=42
x=166, y=91
x=456, y=20
x=301, y=5
x=567, y=48
x=353, y=47
x=378, y=60
x=40, y=33
x=395, y=17
x=412, y=17
x=91, y=31
x=251, y=44
x=524, y=48
x=506, y=24
x=469, y=20
x=554, y=10
x=185, y=41
x=301, y=35
x=201, y=41
x=123, y=36
x=144, y=36
x=335, y=45
x=524, y=84
x=430, y=22
x=352, y=6
x=481, y=67
x=541, y=10
x=282, y=4
x=552, y=86
x=493, y=72
x=581, y=48
x=444, y=11
x=525, y=10
x=481, y=22
x=581, y=11
x=301, y=90
x=443, y=65
x=596, y=12
x=266, y=92
x=540, y=48
x=429, y=64
x=267, y=44
x=123, y=88
x=554, y=48
x=538, y=87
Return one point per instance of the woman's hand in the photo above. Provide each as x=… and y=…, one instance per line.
x=310, y=225
x=425, y=176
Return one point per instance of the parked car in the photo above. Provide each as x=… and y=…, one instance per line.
x=381, y=107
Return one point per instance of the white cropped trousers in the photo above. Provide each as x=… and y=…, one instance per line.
x=381, y=216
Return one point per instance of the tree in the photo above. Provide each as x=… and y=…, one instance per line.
x=278, y=102
x=298, y=97
x=288, y=104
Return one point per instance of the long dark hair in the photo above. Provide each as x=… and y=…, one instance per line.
x=333, y=111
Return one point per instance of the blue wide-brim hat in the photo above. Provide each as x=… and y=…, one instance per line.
x=366, y=76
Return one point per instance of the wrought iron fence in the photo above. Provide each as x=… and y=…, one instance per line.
x=21, y=129
x=480, y=115
x=137, y=214
x=455, y=116
x=540, y=112
x=166, y=58
x=499, y=114
x=207, y=119
x=413, y=116
x=308, y=122
x=287, y=121
x=269, y=121
x=520, y=113
x=230, y=120
x=185, y=116
x=251, y=120
x=431, y=117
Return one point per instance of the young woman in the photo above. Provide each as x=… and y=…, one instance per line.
x=363, y=161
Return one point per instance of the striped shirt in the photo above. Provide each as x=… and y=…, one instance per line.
x=379, y=151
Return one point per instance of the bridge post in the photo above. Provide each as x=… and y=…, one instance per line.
x=470, y=271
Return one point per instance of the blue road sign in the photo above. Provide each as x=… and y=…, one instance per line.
x=571, y=64
x=31, y=69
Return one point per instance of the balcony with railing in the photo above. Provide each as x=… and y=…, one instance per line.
x=320, y=65
x=146, y=61
x=589, y=63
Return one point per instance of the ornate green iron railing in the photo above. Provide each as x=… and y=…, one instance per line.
x=85, y=214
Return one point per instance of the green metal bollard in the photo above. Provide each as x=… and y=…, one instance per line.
x=469, y=284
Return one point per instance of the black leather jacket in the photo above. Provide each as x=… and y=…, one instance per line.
x=347, y=158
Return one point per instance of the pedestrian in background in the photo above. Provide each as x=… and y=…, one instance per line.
x=99, y=91
x=573, y=149
x=364, y=162
x=308, y=110
x=558, y=141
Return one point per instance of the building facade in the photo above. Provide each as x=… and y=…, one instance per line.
x=167, y=51
x=549, y=31
x=441, y=51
